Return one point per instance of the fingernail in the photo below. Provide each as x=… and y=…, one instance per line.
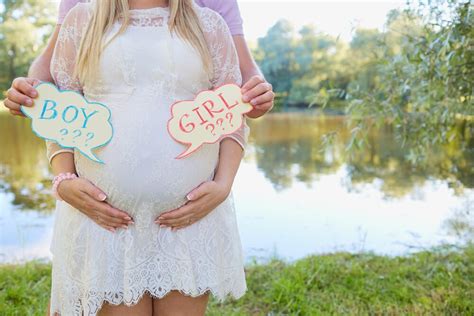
x=128, y=218
x=112, y=230
x=102, y=196
x=124, y=226
x=162, y=225
x=189, y=196
x=254, y=102
x=131, y=222
x=29, y=102
x=34, y=93
x=245, y=98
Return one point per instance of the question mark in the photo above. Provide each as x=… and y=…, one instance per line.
x=77, y=133
x=219, y=122
x=90, y=135
x=230, y=118
x=213, y=128
x=63, y=132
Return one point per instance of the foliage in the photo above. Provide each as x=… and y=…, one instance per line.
x=417, y=74
x=24, y=27
x=423, y=82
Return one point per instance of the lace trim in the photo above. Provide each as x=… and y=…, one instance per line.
x=118, y=298
x=153, y=17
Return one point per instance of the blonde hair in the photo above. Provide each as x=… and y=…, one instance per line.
x=183, y=20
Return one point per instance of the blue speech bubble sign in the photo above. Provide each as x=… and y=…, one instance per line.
x=67, y=118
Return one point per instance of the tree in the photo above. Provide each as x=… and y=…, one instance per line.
x=426, y=80
x=277, y=57
x=24, y=27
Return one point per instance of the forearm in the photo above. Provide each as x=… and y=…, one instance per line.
x=230, y=156
x=40, y=68
x=248, y=66
x=63, y=162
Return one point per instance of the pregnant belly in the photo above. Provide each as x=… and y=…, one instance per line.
x=140, y=171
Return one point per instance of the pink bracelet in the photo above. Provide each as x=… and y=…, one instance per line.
x=58, y=179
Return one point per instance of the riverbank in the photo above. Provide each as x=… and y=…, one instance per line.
x=435, y=282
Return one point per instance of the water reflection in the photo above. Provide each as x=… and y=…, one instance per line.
x=461, y=222
x=292, y=197
x=23, y=166
x=288, y=149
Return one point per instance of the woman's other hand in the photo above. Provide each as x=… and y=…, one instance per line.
x=260, y=94
x=22, y=92
x=90, y=200
x=202, y=200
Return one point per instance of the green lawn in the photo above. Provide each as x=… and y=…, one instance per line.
x=435, y=282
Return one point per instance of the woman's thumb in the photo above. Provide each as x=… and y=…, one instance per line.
x=95, y=192
x=197, y=192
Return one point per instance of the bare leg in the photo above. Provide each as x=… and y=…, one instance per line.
x=177, y=304
x=143, y=308
x=48, y=311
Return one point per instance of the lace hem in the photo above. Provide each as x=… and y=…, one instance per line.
x=118, y=298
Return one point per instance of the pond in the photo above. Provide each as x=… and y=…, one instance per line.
x=292, y=197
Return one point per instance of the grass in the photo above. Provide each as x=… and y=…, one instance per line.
x=439, y=281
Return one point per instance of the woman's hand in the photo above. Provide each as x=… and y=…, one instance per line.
x=202, y=200
x=87, y=198
x=260, y=94
x=22, y=92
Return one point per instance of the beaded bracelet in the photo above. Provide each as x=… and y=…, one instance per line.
x=58, y=179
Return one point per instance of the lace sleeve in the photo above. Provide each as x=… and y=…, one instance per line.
x=225, y=63
x=63, y=62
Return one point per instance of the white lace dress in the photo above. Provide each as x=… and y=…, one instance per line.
x=142, y=73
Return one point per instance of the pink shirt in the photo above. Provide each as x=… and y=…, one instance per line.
x=228, y=9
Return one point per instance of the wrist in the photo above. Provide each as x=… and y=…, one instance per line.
x=58, y=179
x=224, y=185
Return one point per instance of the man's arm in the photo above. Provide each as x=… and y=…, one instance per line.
x=248, y=66
x=39, y=69
x=22, y=91
x=256, y=89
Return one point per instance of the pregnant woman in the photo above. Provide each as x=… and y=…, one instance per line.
x=139, y=57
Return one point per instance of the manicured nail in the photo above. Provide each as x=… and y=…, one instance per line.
x=124, y=226
x=34, y=94
x=245, y=98
x=189, y=196
x=254, y=102
x=112, y=230
x=127, y=218
x=102, y=197
x=29, y=102
x=131, y=222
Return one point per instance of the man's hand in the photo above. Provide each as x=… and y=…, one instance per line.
x=21, y=93
x=260, y=94
x=202, y=200
x=90, y=200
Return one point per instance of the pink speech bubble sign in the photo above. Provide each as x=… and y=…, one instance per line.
x=206, y=119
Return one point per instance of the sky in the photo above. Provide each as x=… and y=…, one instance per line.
x=334, y=17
